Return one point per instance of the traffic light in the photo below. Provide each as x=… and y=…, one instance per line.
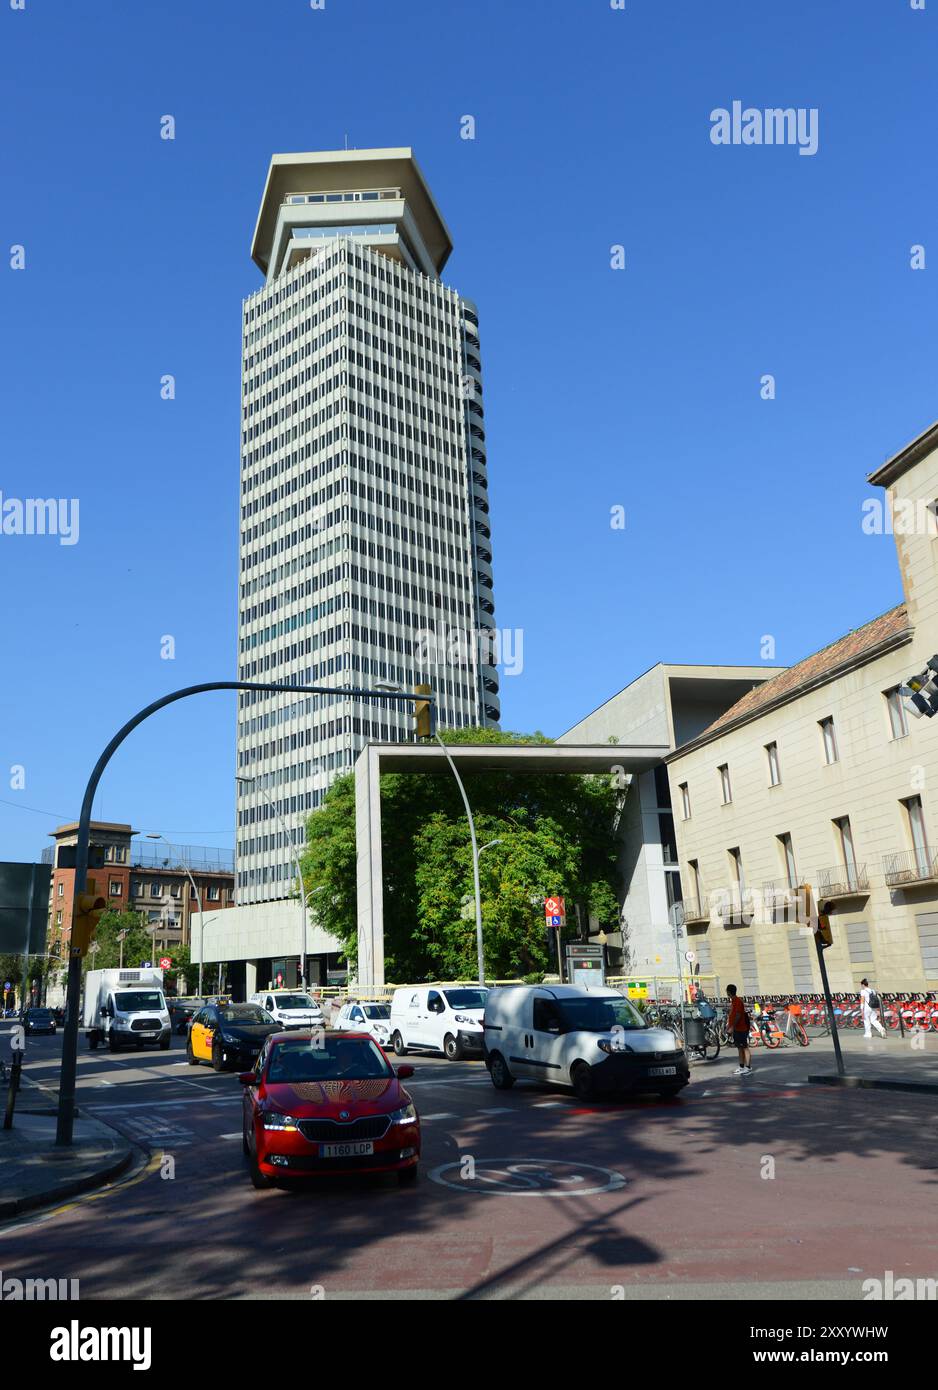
x=423, y=713
x=823, y=928
x=86, y=915
x=920, y=692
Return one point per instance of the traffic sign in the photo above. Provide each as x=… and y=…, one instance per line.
x=554, y=922
x=165, y=962
x=690, y=957
x=637, y=989
x=554, y=907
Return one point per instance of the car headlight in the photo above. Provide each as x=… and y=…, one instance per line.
x=464, y=1018
x=274, y=1120
x=405, y=1116
x=381, y=1027
x=613, y=1045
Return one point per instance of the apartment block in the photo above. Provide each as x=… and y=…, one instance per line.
x=822, y=776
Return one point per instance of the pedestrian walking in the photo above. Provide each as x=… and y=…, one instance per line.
x=738, y=1022
x=870, y=1003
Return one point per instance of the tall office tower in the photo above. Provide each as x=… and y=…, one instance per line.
x=365, y=552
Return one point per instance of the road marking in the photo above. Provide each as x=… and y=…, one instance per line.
x=547, y=1104
x=443, y=1115
x=238, y=1135
x=496, y=1110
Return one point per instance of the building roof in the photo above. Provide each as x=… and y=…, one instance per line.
x=102, y=826
x=324, y=170
x=922, y=445
x=854, y=649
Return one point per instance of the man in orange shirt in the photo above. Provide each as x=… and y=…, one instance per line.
x=738, y=1024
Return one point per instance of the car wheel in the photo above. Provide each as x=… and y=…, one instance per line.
x=164, y=1046
x=218, y=1056
x=452, y=1047
x=190, y=1055
x=111, y=1042
x=93, y=1041
x=397, y=1042
x=502, y=1078
x=581, y=1078
x=406, y=1177
x=245, y=1149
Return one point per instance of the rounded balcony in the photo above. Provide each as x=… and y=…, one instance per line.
x=493, y=712
x=476, y=432
x=484, y=571
x=486, y=604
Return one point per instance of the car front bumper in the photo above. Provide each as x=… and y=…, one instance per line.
x=635, y=1071
x=280, y=1154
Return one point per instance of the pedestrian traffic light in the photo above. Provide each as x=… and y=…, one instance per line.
x=920, y=692
x=86, y=915
x=423, y=713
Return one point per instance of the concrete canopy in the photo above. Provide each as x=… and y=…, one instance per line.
x=375, y=758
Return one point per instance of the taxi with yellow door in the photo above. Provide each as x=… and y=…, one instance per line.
x=229, y=1035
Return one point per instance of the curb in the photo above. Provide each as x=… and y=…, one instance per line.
x=18, y=1205
x=929, y=1088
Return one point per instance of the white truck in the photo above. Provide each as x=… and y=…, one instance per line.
x=126, y=1008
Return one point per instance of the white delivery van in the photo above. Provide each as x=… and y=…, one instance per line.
x=439, y=1018
x=291, y=1008
x=126, y=1008
x=592, y=1039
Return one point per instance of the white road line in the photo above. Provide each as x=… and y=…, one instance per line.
x=495, y=1110
x=547, y=1104
x=231, y=1136
x=444, y=1115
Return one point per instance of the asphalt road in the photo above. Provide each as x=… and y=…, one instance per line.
x=761, y=1187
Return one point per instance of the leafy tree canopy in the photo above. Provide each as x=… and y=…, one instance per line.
x=556, y=836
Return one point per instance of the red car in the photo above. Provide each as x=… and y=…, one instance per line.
x=324, y=1102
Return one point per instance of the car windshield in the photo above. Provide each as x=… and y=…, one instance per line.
x=466, y=998
x=326, y=1059
x=599, y=1015
x=139, y=999
x=293, y=1001
x=244, y=1013
x=39, y=1013
x=376, y=1010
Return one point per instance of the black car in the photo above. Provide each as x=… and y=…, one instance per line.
x=39, y=1021
x=229, y=1035
x=182, y=1010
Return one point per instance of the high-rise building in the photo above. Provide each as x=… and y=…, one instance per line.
x=365, y=548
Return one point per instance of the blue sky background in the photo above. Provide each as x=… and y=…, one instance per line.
x=638, y=388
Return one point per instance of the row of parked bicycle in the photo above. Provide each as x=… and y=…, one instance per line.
x=912, y=1012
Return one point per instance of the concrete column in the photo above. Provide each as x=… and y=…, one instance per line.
x=250, y=978
x=370, y=896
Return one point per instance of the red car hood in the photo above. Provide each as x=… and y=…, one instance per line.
x=325, y=1099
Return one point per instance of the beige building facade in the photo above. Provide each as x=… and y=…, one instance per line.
x=821, y=775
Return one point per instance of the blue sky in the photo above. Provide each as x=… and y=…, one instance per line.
x=637, y=388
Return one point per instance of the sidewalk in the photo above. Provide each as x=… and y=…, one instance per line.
x=893, y=1062
x=36, y=1173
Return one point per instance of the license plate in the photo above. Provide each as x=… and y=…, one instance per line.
x=150, y=1033
x=346, y=1150
x=662, y=1071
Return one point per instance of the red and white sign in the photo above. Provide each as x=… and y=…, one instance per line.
x=553, y=907
x=165, y=962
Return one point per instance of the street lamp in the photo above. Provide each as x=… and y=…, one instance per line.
x=288, y=837
x=198, y=898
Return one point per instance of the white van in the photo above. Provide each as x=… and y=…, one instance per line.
x=440, y=1018
x=291, y=1008
x=592, y=1039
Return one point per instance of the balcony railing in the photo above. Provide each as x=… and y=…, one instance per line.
x=734, y=905
x=780, y=902
x=695, y=911
x=842, y=881
x=914, y=866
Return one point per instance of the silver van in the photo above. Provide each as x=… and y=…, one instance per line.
x=592, y=1039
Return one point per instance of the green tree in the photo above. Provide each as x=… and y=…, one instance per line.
x=138, y=943
x=557, y=836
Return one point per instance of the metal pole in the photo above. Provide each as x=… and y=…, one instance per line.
x=475, y=866
x=822, y=966
x=67, y=1076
